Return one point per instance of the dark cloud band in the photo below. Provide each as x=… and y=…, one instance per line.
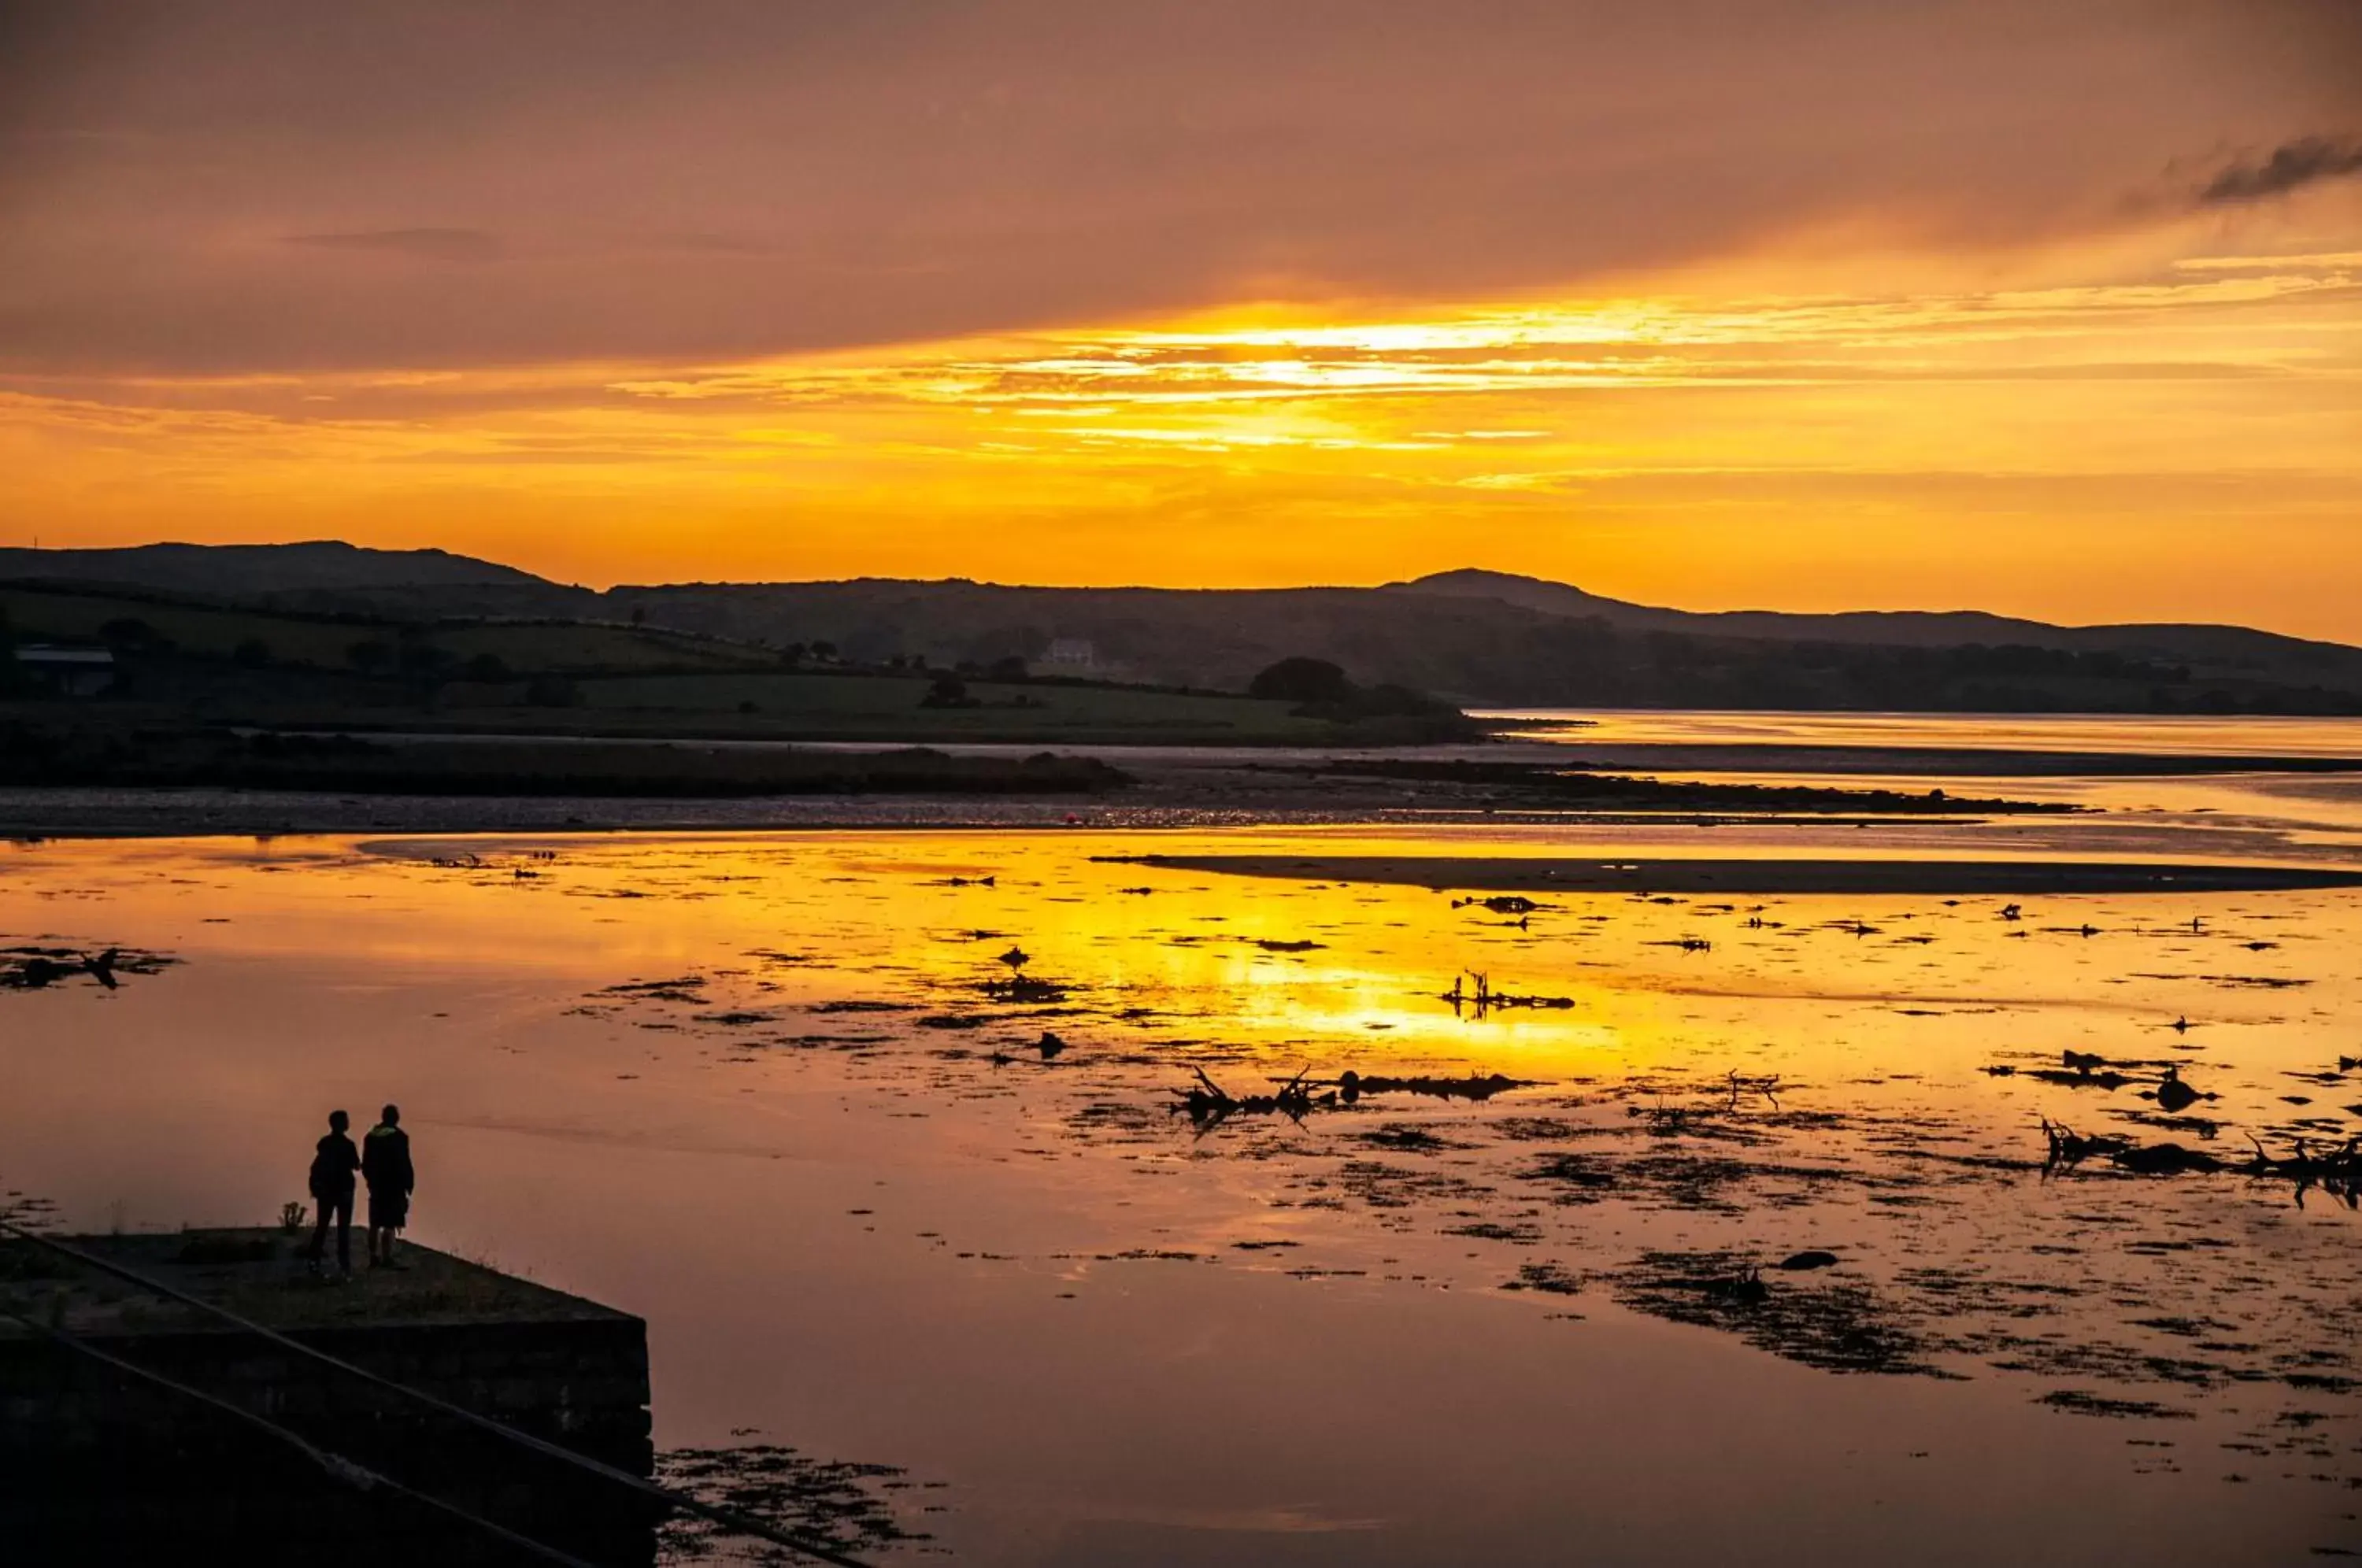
x=2292, y=166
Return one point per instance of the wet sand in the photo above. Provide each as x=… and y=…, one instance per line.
x=1742, y=875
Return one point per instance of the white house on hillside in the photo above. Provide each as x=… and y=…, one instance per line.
x=69, y=672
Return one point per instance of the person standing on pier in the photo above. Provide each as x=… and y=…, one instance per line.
x=385, y=1165
x=332, y=1164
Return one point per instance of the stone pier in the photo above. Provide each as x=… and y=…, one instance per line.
x=96, y=1462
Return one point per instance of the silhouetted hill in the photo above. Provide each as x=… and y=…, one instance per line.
x=244, y=571
x=1478, y=637
x=1913, y=628
x=1918, y=627
x=1492, y=651
x=2228, y=651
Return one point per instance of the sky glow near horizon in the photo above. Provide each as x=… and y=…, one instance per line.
x=1950, y=375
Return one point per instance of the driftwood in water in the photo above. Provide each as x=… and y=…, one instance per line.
x=1210, y=1102
x=2068, y=1148
x=37, y=968
x=2084, y=1069
x=1506, y=903
x=2337, y=1172
x=1766, y=1085
x=2173, y=1095
x=42, y=970
x=1484, y=998
x=1024, y=988
x=1745, y=1289
x=1672, y=1120
x=1351, y=1085
x=2104, y=1079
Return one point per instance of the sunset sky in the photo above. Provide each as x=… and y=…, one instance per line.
x=2047, y=308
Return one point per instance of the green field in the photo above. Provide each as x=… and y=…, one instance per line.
x=81, y=754
x=181, y=661
x=890, y=706
x=324, y=642
x=789, y=705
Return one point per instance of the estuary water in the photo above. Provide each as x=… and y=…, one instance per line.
x=2162, y=735
x=884, y=1134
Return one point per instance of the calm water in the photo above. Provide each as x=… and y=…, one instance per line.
x=752, y=1088
x=2143, y=734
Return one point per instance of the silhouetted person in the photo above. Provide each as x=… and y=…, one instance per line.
x=385, y=1165
x=332, y=1189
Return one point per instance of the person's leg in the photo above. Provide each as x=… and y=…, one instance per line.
x=319, y=1247
x=345, y=1233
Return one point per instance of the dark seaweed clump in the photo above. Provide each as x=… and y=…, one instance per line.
x=38, y=968
x=837, y=1503
x=1836, y=1325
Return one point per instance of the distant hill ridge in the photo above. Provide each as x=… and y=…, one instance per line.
x=1919, y=628
x=1481, y=637
x=240, y=569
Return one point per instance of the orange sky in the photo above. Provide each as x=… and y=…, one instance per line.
x=1974, y=306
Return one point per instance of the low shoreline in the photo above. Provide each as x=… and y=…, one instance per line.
x=983, y=788
x=1504, y=873
x=69, y=813
x=1955, y=762
x=266, y=785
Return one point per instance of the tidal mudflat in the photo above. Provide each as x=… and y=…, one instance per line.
x=1032, y=1205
